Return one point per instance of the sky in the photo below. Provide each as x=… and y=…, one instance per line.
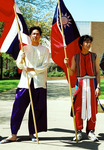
x=86, y=10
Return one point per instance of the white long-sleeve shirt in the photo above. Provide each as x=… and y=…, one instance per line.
x=37, y=58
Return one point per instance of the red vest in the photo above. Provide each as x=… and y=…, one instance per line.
x=85, y=64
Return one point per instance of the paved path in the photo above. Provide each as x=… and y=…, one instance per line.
x=60, y=124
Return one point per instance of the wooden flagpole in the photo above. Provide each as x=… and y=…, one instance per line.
x=67, y=70
x=31, y=101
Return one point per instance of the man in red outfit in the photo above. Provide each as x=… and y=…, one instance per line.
x=87, y=88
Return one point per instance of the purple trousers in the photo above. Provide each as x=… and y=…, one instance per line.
x=22, y=100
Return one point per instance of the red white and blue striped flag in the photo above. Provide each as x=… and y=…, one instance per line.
x=71, y=34
x=9, y=40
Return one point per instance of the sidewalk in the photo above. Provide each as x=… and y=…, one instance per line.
x=60, y=125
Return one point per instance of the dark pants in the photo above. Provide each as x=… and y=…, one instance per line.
x=22, y=100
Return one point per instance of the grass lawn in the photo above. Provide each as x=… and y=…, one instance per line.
x=10, y=84
x=102, y=89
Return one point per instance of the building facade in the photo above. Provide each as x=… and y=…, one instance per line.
x=96, y=30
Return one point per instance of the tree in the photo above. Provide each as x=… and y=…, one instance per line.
x=1, y=27
x=38, y=12
x=1, y=66
x=41, y=7
x=35, y=12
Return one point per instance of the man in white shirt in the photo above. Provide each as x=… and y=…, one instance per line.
x=37, y=60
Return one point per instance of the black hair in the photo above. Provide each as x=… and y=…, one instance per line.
x=33, y=28
x=84, y=38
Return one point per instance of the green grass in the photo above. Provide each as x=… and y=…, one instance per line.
x=102, y=89
x=8, y=84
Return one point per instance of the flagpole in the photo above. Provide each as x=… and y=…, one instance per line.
x=67, y=70
x=31, y=101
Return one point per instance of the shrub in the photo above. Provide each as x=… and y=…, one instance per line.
x=55, y=74
x=6, y=73
x=12, y=73
x=54, y=67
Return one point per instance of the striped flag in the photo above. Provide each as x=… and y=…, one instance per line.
x=9, y=40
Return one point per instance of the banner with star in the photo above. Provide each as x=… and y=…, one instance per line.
x=71, y=34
